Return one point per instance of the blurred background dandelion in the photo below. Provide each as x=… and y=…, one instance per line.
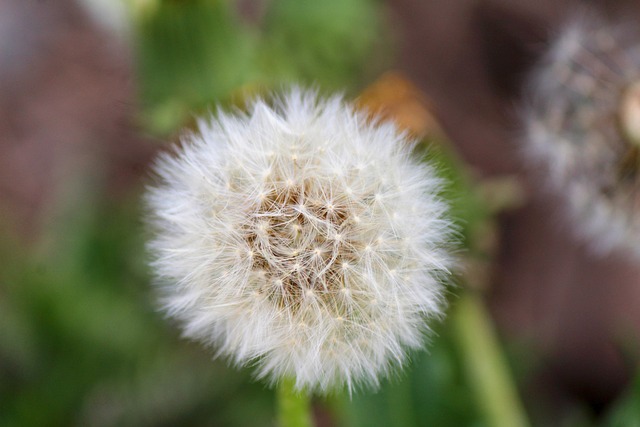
x=91, y=90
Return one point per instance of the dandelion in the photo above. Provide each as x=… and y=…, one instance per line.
x=583, y=124
x=300, y=238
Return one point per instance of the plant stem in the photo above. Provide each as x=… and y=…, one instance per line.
x=294, y=407
x=485, y=363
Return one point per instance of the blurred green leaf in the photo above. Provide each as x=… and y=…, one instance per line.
x=329, y=42
x=190, y=54
x=626, y=412
x=197, y=53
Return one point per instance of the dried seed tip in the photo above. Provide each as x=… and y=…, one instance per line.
x=287, y=271
x=583, y=126
x=630, y=113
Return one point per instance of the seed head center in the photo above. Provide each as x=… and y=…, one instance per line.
x=299, y=241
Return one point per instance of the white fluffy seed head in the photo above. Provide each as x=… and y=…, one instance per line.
x=301, y=238
x=582, y=127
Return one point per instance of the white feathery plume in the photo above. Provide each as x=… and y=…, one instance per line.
x=301, y=238
x=583, y=127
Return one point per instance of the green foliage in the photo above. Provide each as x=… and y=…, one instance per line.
x=190, y=53
x=194, y=54
x=81, y=342
x=626, y=412
x=323, y=42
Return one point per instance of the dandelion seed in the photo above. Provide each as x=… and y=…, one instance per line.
x=313, y=283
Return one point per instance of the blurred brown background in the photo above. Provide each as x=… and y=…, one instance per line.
x=67, y=93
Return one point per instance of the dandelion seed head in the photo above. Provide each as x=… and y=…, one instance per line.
x=302, y=272
x=583, y=127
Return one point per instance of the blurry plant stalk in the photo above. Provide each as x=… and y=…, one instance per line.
x=294, y=407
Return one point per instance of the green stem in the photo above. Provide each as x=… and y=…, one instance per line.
x=294, y=407
x=485, y=363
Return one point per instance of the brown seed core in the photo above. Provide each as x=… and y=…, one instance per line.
x=300, y=246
